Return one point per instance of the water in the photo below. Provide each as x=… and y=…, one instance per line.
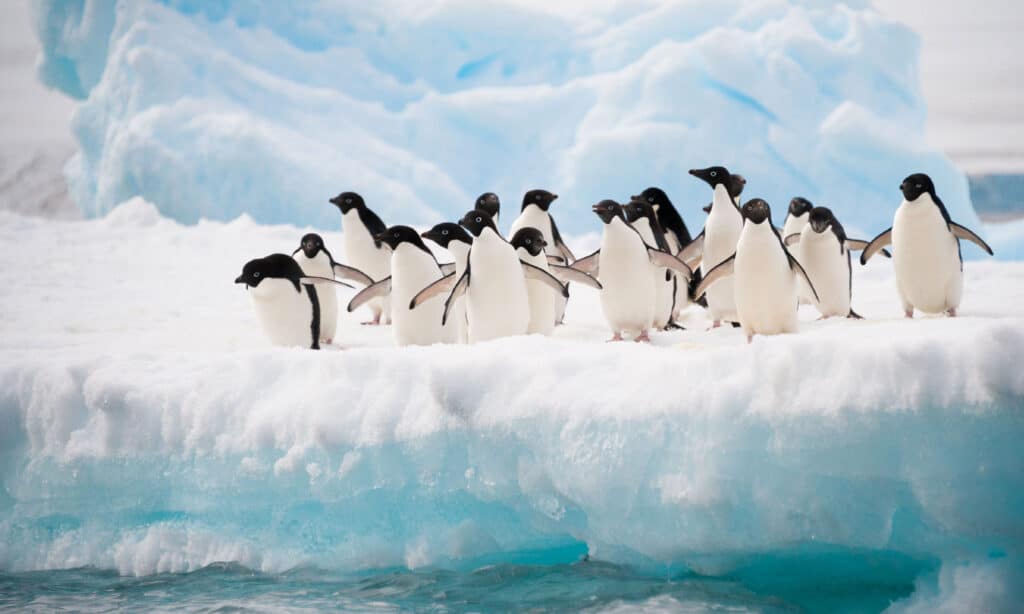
x=591, y=586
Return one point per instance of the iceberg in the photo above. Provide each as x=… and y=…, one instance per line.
x=212, y=110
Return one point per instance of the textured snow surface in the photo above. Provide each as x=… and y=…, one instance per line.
x=145, y=427
x=217, y=109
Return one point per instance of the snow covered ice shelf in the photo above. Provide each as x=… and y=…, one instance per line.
x=144, y=427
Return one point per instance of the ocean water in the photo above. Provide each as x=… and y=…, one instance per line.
x=584, y=585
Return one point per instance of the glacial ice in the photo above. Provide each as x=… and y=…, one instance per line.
x=211, y=110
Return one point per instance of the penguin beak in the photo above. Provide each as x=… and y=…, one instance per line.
x=380, y=236
x=635, y=197
x=695, y=172
x=239, y=280
x=554, y=197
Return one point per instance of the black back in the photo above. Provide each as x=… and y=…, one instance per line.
x=668, y=216
x=346, y=201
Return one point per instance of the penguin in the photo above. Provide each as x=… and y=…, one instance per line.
x=413, y=266
x=489, y=202
x=926, y=250
x=736, y=184
x=314, y=259
x=286, y=300
x=623, y=267
x=718, y=240
x=676, y=233
x=360, y=225
x=796, y=221
x=529, y=244
x=823, y=250
x=640, y=215
x=764, y=273
x=457, y=241
x=535, y=213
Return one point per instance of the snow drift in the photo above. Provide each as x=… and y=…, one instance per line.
x=212, y=110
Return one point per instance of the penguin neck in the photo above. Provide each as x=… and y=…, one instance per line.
x=488, y=236
x=458, y=250
x=722, y=204
x=764, y=229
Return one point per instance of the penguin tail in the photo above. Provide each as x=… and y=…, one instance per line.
x=853, y=315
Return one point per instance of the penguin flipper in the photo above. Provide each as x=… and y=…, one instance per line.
x=966, y=234
x=793, y=239
x=853, y=315
x=436, y=288
x=458, y=290
x=322, y=281
x=693, y=253
x=875, y=245
x=352, y=274
x=559, y=243
x=854, y=245
x=538, y=274
x=377, y=289
x=565, y=274
x=447, y=267
x=667, y=260
x=799, y=270
x=553, y=259
x=591, y=265
x=720, y=271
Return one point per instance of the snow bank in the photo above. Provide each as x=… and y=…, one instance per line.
x=144, y=428
x=213, y=110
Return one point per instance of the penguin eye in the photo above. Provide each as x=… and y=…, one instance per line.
x=395, y=235
x=918, y=186
x=528, y=241
x=536, y=197
x=480, y=219
x=650, y=199
x=256, y=274
x=348, y=201
x=444, y=232
x=714, y=173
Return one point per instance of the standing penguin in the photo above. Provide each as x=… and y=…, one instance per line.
x=796, y=220
x=529, y=243
x=285, y=300
x=926, y=250
x=360, y=225
x=676, y=234
x=825, y=257
x=413, y=266
x=536, y=204
x=489, y=203
x=623, y=266
x=314, y=259
x=718, y=240
x=457, y=241
x=764, y=273
x=640, y=215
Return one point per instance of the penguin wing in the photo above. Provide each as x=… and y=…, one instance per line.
x=436, y=288
x=565, y=274
x=559, y=243
x=875, y=245
x=374, y=290
x=373, y=223
x=793, y=239
x=352, y=274
x=961, y=232
x=799, y=270
x=538, y=274
x=721, y=270
x=856, y=245
x=458, y=290
x=322, y=281
x=693, y=253
x=667, y=260
x=447, y=267
x=553, y=259
x=590, y=265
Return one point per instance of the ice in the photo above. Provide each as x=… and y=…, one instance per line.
x=147, y=426
x=215, y=110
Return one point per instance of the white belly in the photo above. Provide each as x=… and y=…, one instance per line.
x=925, y=257
x=664, y=288
x=327, y=293
x=766, y=299
x=537, y=218
x=284, y=314
x=412, y=269
x=497, y=303
x=827, y=265
x=363, y=254
x=796, y=225
x=721, y=234
x=540, y=295
x=457, y=315
x=628, y=292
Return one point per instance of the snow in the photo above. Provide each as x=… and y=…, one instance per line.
x=147, y=426
x=214, y=110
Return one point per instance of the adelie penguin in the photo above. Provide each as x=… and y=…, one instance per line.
x=359, y=227
x=823, y=250
x=535, y=213
x=926, y=250
x=413, y=267
x=796, y=220
x=676, y=234
x=764, y=275
x=623, y=265
x=314, y=259
x=489, y=203
x=285, y=299
x=457, y=241
x=640, y=215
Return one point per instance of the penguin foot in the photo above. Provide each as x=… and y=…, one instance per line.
x=909, y=313
x=327, y=341
x=735, y=324
x=716, y=324
x=643, y=338
x=615, y=337
x=951, y=312
x=750, y=339
x=374, y=322
x=672, y=325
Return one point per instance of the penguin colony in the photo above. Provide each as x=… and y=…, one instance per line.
x=742, y=268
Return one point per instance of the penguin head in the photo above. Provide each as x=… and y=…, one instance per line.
x=311, y=245
x=346, y=201
x=916, y=185
x=821, y=219
x=530, y=239
x=396, y=235
x=736, y=185
x=443, y=234
x=608, y=210
x=488, y=201
x=476, y=221
x=638, y=208
x=799, y=206
x=756, y=210
x=655, y=197
x=714, y=175
x=541, y=198
x=279, y=266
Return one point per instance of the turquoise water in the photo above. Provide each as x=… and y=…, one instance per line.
x=586, y=585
